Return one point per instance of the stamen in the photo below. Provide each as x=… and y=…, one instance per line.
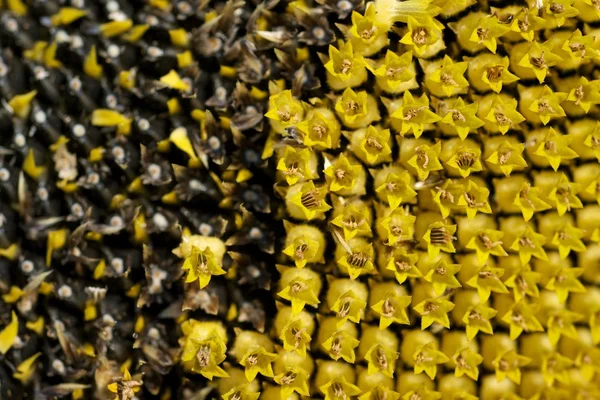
x=420, y=36
x=439, y=236
x=494, y=73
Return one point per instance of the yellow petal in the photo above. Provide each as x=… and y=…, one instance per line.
x=173, y=81
x=127, y=79
x=13, y=295
x=9, y=333
x=136, y=33
x=90, y=312
x=31, y=168
x=99, y=270
x=185, y=59
x=106, y=117
x=96, y=155
x=180, y=139
x=115, y=28
x=91, y=66
x=11, y=252
x=56, y=240
x=50, y=56
x=21, y=104
x=139, y=228
x=67, y=15
x=179, y=37
x=36, y=53
x=26, y=369
x=140, y=323
x=37, y=326
x=18, y=7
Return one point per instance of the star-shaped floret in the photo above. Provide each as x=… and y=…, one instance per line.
x=427, y=357
x=205, y=356
x=422, y=33
x=344, y=64
x=568, y=239
x=394, y=70
x=426, y=160
x=294, y=165
x=503, y=114
x=508, y=156
x=397, y=227
x=555, y=367
x=467, y=361
x=446, y=196
x=495, y=75
x=539, y=58
x=508, y=364
x=528, y=244
x=349, y=307
x=353, y=108
x=241, y=392
x=564, y=194
x=588, y=360
x=294, y=380
x=300, y=292
x=560, y=324
x=201, y=265
x=451, y=75
x=403, y=264
x=488, y=30
x=434, y=310
x=466, y=159
x=462, y=117
x=527, y=23
x=414, y=114
x=487, y=280
x=439, y=237
x=555, y=148
x=565, y=281
x=360, y=261
x=560, y=11
x=258, y=361
x=396, y=189
x=295, y=337
x=368, y=33
x=343, y=173
x=392, y=309
x=339, y=389
x=528, y=200
x=285, y=109
x=381, y=359
x=477, y=319
x=319, y=131
x=442, y=276
x=580, y=47
x=487, y=242
x=524, y=282
x=374, y=148
x=341, y=345
x=547, y=105
x=522, y=317
x=593, y=140
x=594, y=188
x=474, y=199
x=303, y=248
x=311, y=200
x=353, y=222
x=586, y=94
